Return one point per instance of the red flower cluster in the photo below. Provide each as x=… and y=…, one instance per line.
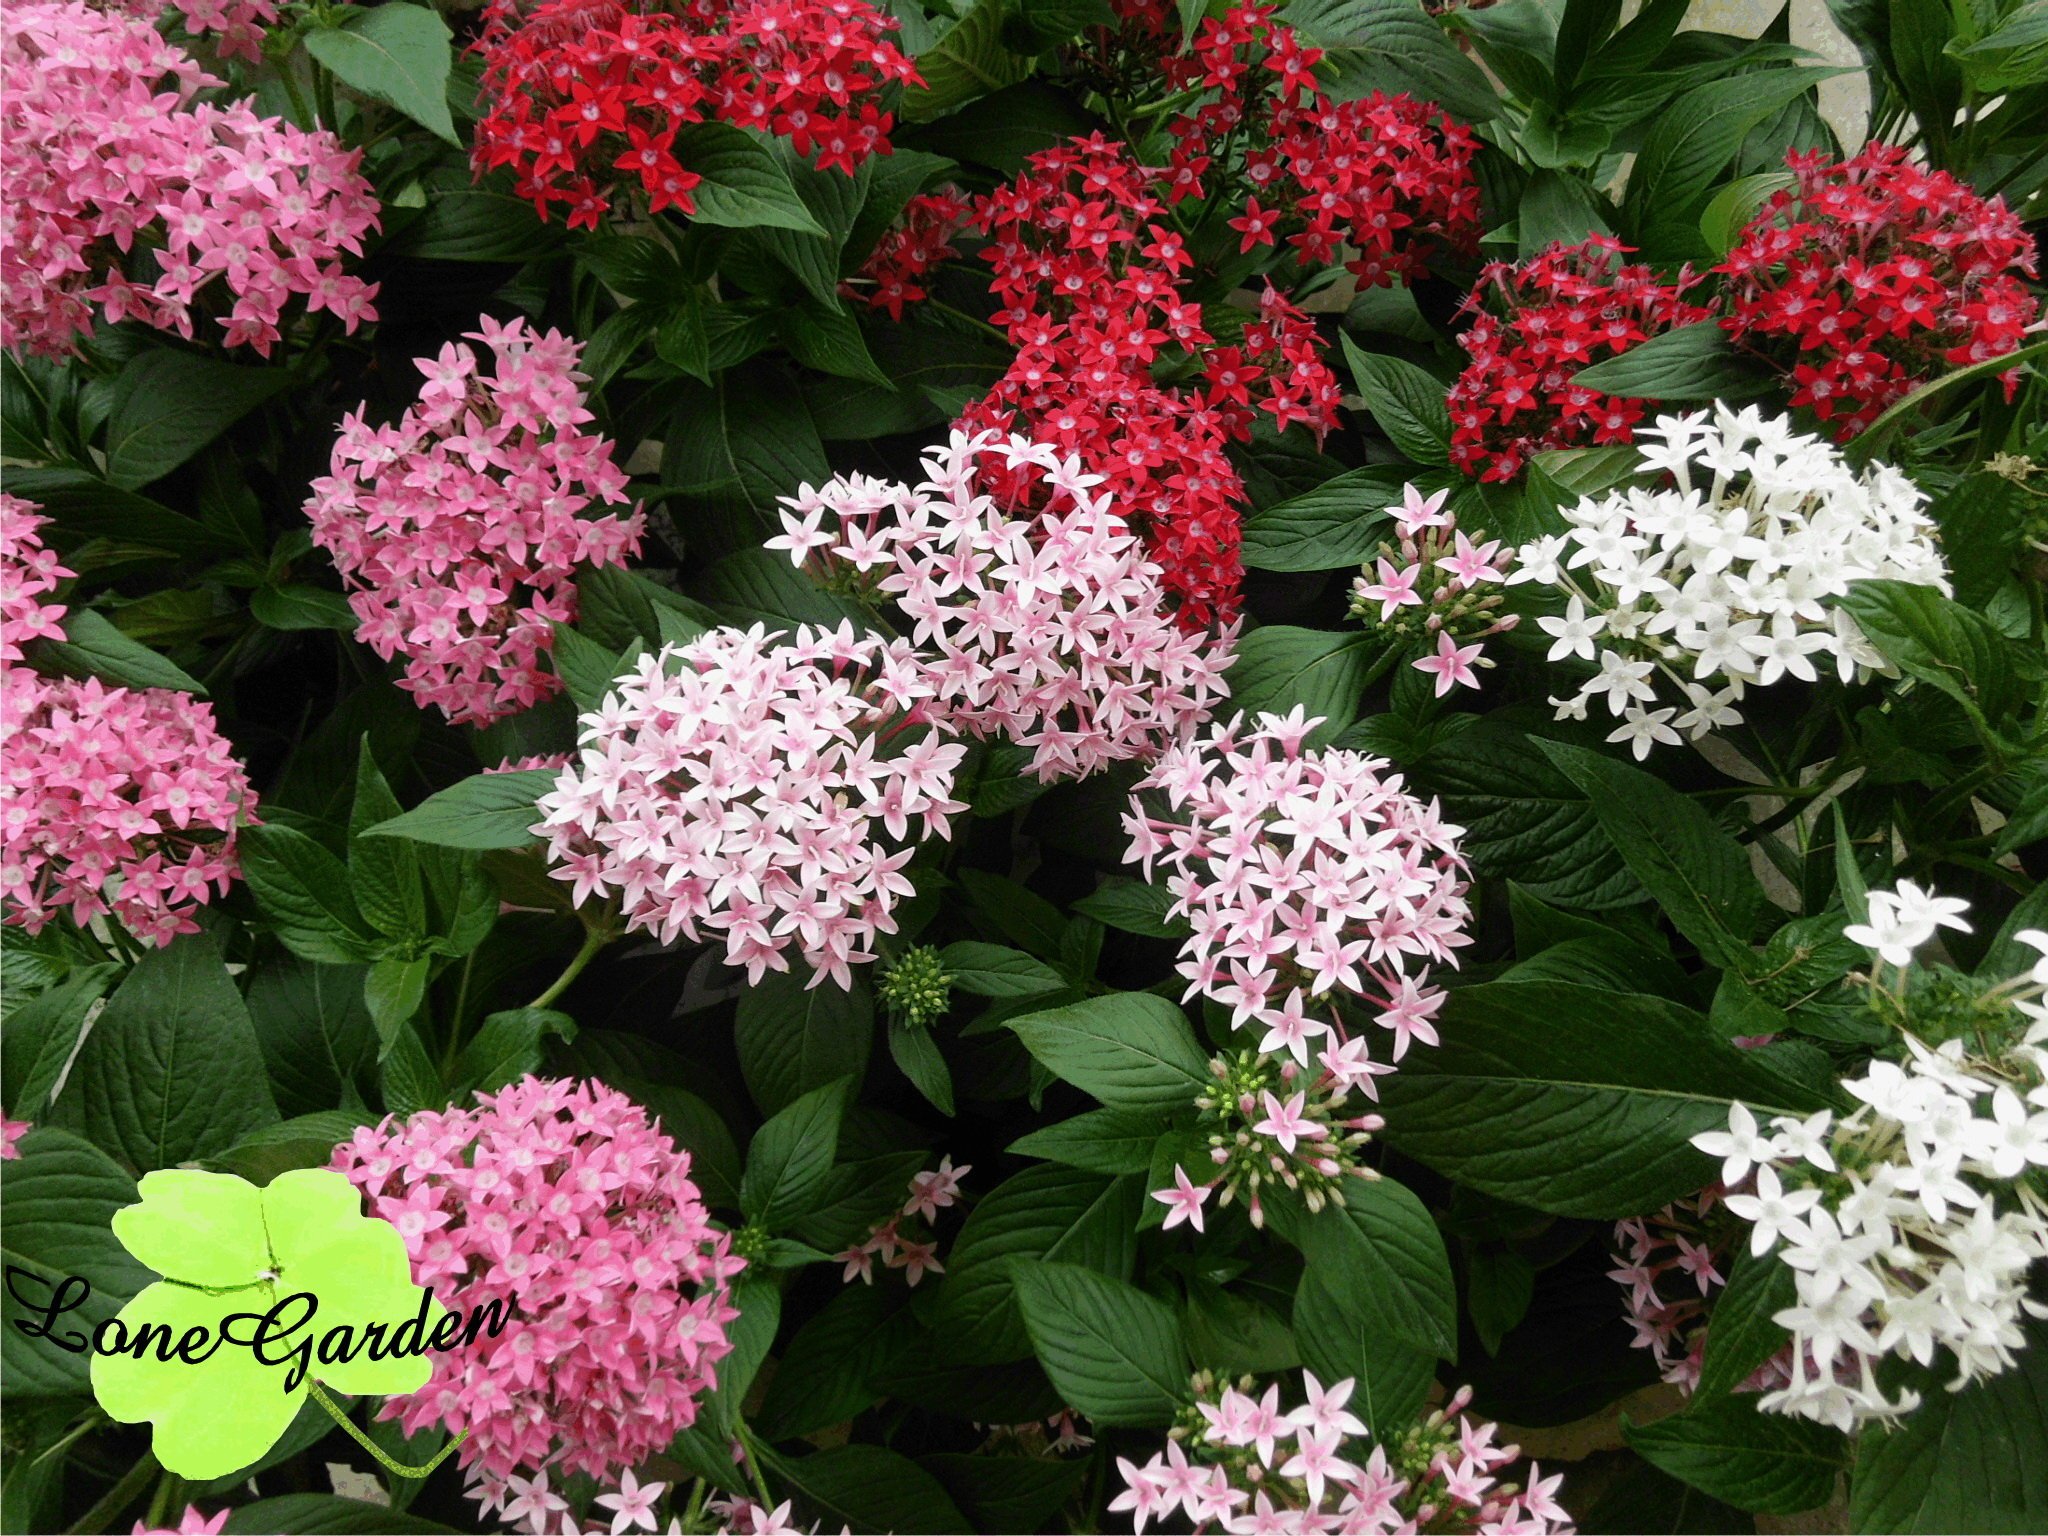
x=895, y=270
x=1870, y=276
x=1537, y=323
x=587, y=96
x=1388, y=177
x=1088, y=278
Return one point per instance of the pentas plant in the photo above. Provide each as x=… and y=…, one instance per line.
x=904, y=1240
x=1910, y=1223
x=1673, y=1263
x=1689, y=595
x=1442, y=573
x=763, y=791
x=585, y=99
x=460, y=528
x=565, y=1201
x=1869, y=276
x=1036, y=617
x=1247, y=1465
x=1535, y=326
x=109, y=153
x=28, y=571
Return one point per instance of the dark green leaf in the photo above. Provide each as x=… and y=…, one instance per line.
x=1101, y=1141
x=1132, y=1050
x=791, y=1155
x=1693, y=362
x=1342, y=522
x=1279, y=667
x=93, y=647
x=1768, y=1463
x=395, y=53
x=302, y=891
x=486, y=810
x=1407, y=403
x=507, y=1048
x=744, y=185
x=1113, y=1352
x=169, y=405
x=793, y=1038
x=991, y=970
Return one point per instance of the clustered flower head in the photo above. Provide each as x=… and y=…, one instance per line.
x=105, y=149
x=1313, y=880
x=1269, y=1124
x=1256, y=1469
x=11, y=1132
x=191, y=1523
x=564, y=1201
x=762, y=793
x=1910, y=1223
x=1673, y=1264
x=584, y=99
x=460, y=528
x=1437, y=570
x=1869, y=276
x=915, y=989
x=237, y=27
x=29, y=571
x=1535, y=325
x=895, y=272
x=1037, y=616
x=904, y=1239
x=115, y=800
x=1722, y=581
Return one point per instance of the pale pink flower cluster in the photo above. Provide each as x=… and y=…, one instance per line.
x=763, y=792
x=460, y=529
x=11, y=1132
x=931, y=1191
x=114, y=800
x=1047, y=628
x=1672, y=1263
x=191, y=1523
x=1254, y=1469
x=28, y=571
x=104, y=148
x=1308, y=876
x=236, y=26
x=1427, y=589
x=565, y=1201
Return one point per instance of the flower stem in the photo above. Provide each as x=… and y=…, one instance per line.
x=594, y=939
x=118, y=1497
x=395, y=1468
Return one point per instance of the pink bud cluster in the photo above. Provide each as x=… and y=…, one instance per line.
x=1048, y=628
x=104, y=149
x=460, y=529
x=931, y=1191
x=1308, y=875
x=1672, y=1262
x=1437, y=570
x=28, y=571
x=1252, y=1468
x=114, y=800
x=564, y=1200
x=744, y=788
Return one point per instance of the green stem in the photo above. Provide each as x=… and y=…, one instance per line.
x=752, y=1455
x=960, y=314
x=455, y=1018
x=118, y=1497
x=594, y=939
x=395, y=1468
x=300, y=111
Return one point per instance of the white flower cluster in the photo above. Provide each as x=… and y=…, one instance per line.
x=1723, y=580
x=1910, y=1223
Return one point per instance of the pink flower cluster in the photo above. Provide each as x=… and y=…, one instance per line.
x=191, y=1523
x=1310, y=877
x=740, y=787
x=565, y=1201
x=1437, y=570
x=1048, y=628
x=1672, y=1264
x=237, y=26
x=460, y=528
x=1256, y=1470
x=28, y=571
x=11, y=1132
x=114, y=800
x=104, y=148
x=931, y=1191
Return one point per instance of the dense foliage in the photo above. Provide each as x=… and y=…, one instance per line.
x=1051, y=765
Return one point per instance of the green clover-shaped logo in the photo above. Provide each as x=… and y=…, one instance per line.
x=265, y=1292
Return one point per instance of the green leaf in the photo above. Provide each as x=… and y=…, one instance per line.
x=620, y=608
x=170, y=1071
x=1693, y=362
x=793, y=1038
x=395, y=53
x=871, y=1488
x=169, y=405
x=1732, y=207
x=831, y=342
x=393, y=992
x=1279, y=666
x=733, y=449
x=1046, y=1213
x=1499, y=1285
x=2014, y=53
x=508, y=1047
x=314, y=1031
x=486, y=810
x=1113, y=1352
x=1766, y=1463
x=383, y=873
x=1697, y=873
x=86, y=506
x=1382, y=1250
x=325, y=1513
x=791, y=1155
x=1576, y=1100
x=61, y=1196
x=969, y=60
x=1341, y=1340
x=41, y=1035
x=744, y=185
x=1975, y=1460
x=1101, y=1141
x=303, y=892
x=298, y=606
x=1132, y=1050
x=1407, y=403
x=1392, y=46
x=1008, y=1493
x=1942, y=643
x=1133, y=906
x=992, y=970
x=823, y=1375
x=918, y=1057
x=1745, y=1333
x=1342, y=522
x=93, y=647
